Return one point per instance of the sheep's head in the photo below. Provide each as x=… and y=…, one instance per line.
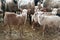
x=40, y=19
x=38, y=3
x=25, y=10
x=54, y=11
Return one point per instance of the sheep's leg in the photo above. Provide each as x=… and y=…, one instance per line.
x=30, y=19
x=19, y=28
x=10, y=32
x=43, y=30
x=33, y=27
x=21, y=32
x=25, y=21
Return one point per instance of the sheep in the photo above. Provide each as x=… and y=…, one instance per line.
x=52, y=3
x=35, y=18
x=24, y=14
x=45, y=19
x=36, y=9
x=54, y=11
x=29, y=5
x=40, y=5
x=11, y=6
x=50, y=21
x=11, y=18
x=24, y=3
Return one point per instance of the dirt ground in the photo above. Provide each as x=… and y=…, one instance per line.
x=26, y=32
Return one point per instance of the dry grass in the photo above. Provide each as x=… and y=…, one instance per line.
x=27, y=33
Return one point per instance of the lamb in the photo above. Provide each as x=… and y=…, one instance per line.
x=50, y=21
x=11, y=18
